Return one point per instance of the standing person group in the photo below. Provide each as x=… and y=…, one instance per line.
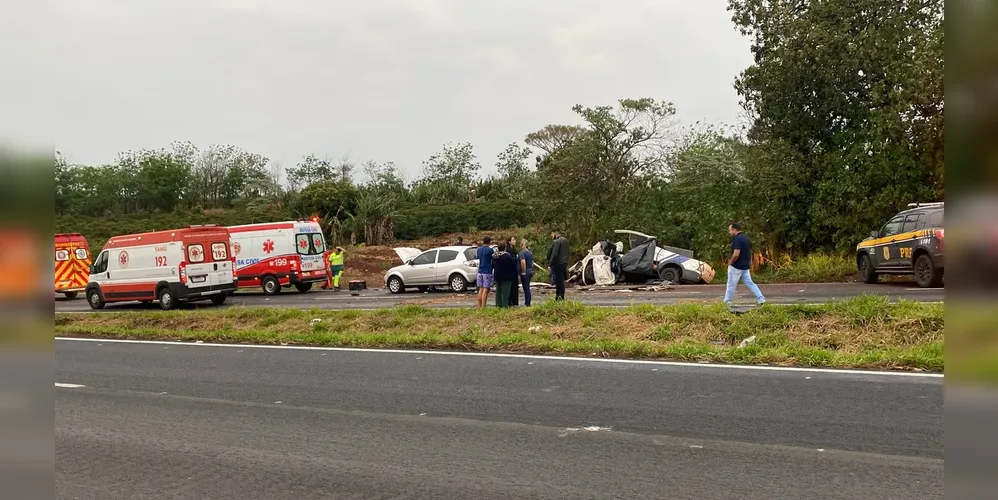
x=507, y=270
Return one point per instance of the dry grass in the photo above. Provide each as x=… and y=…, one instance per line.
x=866, y=332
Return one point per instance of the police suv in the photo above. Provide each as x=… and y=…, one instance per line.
x=911, y=243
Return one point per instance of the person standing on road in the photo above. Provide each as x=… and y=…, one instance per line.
x=485, y=276
x=558, y=263
x=514, y=291
x=505, y=275
x=336, y=266
x=739, y=264
x=526, y=265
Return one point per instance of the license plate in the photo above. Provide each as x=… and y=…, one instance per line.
x=198, y=279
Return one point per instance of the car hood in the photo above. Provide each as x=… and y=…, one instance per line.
x=407, y=253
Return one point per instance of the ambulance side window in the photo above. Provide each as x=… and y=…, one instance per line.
x=100, y=266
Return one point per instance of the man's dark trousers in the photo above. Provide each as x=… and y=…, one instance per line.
x=558, y=272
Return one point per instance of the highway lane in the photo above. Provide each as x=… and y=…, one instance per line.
x=187, y=421
x=377, y=298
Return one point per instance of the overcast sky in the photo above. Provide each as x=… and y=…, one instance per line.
x=372, y=79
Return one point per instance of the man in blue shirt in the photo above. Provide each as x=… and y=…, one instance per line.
x=484, y=281
x=739, y=264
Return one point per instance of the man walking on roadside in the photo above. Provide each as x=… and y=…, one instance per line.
x=558, y=263
x=739, y=264
x=485, y=277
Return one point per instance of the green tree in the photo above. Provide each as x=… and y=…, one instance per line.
x=847, y=100
x=588, y=180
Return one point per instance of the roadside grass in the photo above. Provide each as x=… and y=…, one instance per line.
x=866, y=332
x=811, y=268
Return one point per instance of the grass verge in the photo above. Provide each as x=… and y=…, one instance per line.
x=866, y=332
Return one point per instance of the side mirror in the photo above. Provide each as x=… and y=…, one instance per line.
x=91, y=269
x=874, y=234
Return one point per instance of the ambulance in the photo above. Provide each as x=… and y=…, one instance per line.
x=280, y=254
x=169, y=267
x=72, y=264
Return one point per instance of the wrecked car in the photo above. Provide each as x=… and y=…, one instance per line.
x=646, y=261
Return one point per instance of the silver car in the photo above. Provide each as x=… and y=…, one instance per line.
x=454, y=267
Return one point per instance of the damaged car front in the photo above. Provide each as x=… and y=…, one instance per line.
x=647, y=260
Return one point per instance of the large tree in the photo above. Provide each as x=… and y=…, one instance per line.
x=592, y=172
x=847, y=102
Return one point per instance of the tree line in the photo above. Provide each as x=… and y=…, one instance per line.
x=844, y=103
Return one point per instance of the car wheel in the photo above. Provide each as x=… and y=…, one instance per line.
x=94, y=299
x=671, y=274
x=270, y=285
x=926, y=273
x=303, y=287
x=72, y=295
x=218, y=299
x=866, y=270
x=458, y=283
x=395, y=285
x=166, y=299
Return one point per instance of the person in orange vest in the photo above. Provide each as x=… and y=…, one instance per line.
x=336, y=268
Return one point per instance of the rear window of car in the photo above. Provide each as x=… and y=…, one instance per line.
x=195, y=253
x=936, y=219
x=471, y=253
x=447, y=255
x=913, y=222
x=219, y=251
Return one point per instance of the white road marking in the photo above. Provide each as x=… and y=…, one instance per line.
x=591, y=428
x=680, y=364
x=69, y=386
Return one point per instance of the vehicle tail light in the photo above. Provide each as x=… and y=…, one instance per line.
x=233, y=268
x=294, y=263
x=183, y=273
x=939, y=239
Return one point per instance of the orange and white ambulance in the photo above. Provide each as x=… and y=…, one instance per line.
x=280, y=254
x=170, y=267
x=72, y=264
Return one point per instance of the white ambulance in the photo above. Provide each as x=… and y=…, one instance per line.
x=280, y=254
x=166, y=266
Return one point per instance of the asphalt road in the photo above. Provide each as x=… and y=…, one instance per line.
x=161, y=421
x=377, y=298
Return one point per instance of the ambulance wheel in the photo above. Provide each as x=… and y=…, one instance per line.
x=270, y=285
x=94, y=299
x=71, y=295
x=166, y=299
x=303, y=287
x=218, y=299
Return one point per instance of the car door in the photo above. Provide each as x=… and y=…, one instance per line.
x=422, y=270
x=904, y=246
x=884, y=256
x=447, y=262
